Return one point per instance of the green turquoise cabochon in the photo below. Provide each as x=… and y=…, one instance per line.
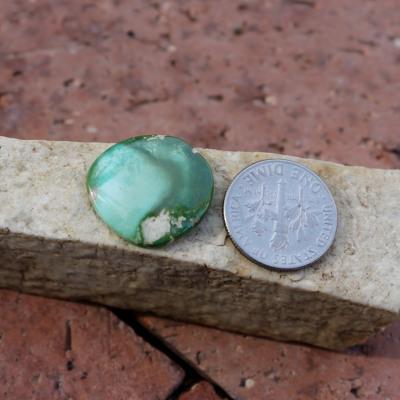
x=150, y=189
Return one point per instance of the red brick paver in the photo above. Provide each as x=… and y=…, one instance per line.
x=51, y=349
x=250, y=368
x=311, y=78
x=200, y=391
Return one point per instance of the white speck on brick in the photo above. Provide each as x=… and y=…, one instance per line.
x=239, y=348
x=91, y=129
x=271, y=100
x=171, y=48
x=154, y=228
x=249, y=383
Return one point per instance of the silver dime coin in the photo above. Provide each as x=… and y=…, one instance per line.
x=280, y=214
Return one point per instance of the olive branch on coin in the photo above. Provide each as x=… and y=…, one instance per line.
x=271, y=206
x=301, y=217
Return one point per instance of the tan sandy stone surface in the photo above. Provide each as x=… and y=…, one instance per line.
x=53, y=244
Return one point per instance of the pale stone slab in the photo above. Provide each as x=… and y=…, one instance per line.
x=52, y=243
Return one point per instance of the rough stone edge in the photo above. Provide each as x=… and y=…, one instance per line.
x=373, y=317
x=184, y=291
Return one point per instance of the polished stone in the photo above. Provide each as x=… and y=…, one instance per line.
x=150, y=189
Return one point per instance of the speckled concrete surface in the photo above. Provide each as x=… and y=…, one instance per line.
x=310, y=78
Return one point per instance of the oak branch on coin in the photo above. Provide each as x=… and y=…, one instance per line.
x=52, y=244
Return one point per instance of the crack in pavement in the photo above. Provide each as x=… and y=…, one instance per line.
x=192, y=375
